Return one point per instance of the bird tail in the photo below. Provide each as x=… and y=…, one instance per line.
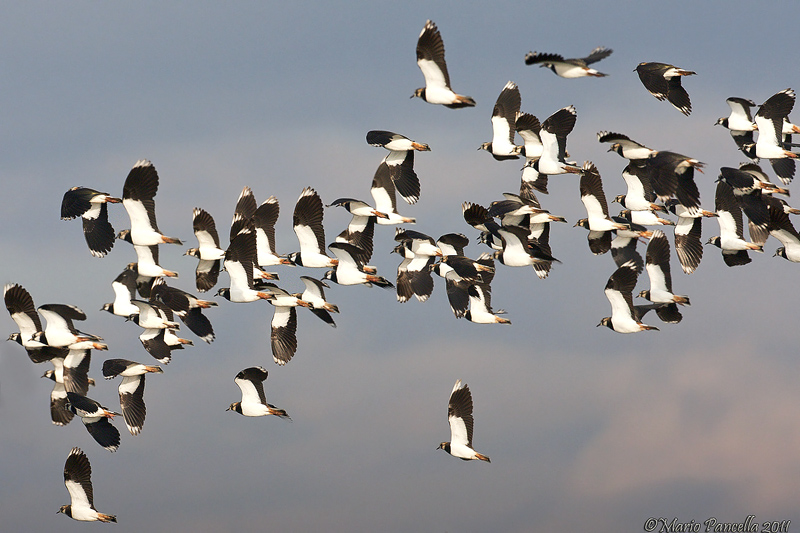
x=683, y=300
x=482, y=457
x=280, y=413
x=380, y=282
x=106, y=517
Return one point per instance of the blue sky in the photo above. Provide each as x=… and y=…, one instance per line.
x=587, y=429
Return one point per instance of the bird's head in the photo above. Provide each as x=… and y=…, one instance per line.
x=295, y=259
x=225, y=293
x=584, y=223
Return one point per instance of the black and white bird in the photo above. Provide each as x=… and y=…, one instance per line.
x=92, y=207
x=398, y=167
x=138, y=198
x=314, y=294
x=619, y=291
x=157, y=321
x=70, y=373
x=554, y=143
x=468, y=269
x=244, y=217
x=751, y=190
x=350, y=270
x=208, y=251
x=459, y=415
x=307, y=224
x=731, y=228
x=528, y=127
x=147, y=263
x=644, y=218
x=599, y=241
x=96, y=419
x=419, y=252
x=59, y=409
x=474, y=278
x=186, y=306
x=658, y=271
x=516, y=210
x=153, y=315
x=480, y=306
x=264, y=220
x=131, y=389
x=782, y=229
x=60, y=331
x=639, y=195
x=243, y=212
x=770, y=119
x=664, y=82
x=594, y=200
x=254, y=401
x=394, y=142
x=20, y=306
x=688, y=234
x=570, y=68
x=72, y=370
x=239, y=260
x=403, y=284
x=520, y=250
x=478, y=217
x=626, y=147
x=453, y=244
x=430, y=59
x=395, y=172
x=361, y=228
x=672, y=174
x=764, y=183
x=504, y=116
x=458, y=287
x=623, y=249
x=739, y=122
x=78, y=480
x=124, y=287
x=155, y=342
x=283, y=334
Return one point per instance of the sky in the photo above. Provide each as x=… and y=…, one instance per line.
x=587, y=429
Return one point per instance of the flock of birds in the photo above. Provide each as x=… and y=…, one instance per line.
x=515, y=229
